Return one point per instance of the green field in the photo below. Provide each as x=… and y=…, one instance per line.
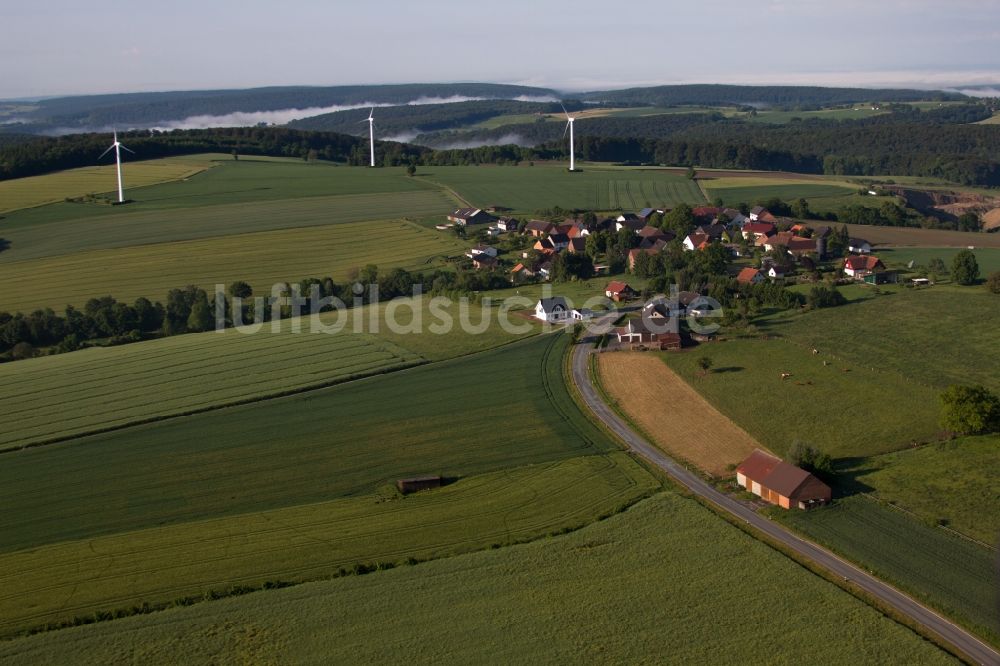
x=313, y=541
x=642, y=586
x=55, y=397
x=527, y=188
x=953, y=483
x=734, y=191
x=261, y=258
x=954, y=574
x=784, y=117
x=181, y=215
x=50, y=188
x=318, y=446
x=934, y=337
x=820, y=405
x=898, y=257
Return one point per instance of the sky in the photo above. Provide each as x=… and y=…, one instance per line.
x=58, y=47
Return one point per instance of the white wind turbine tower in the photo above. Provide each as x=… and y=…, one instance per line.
x=371, y=135
x=569, y=126
x=118, y=147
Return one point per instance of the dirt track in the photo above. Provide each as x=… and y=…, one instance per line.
x=672, y=413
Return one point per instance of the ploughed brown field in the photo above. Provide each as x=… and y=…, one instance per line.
x=671, y=413
x=911, y=236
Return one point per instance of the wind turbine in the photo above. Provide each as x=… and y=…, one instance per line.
x=569, y=126
x=371, y=135
x=118, y=147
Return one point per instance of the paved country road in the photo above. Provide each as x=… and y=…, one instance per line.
x=949, y=632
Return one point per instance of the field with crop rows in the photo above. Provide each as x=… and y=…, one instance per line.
x=54, y=187
x=56, y=397
x=313, y=541
x=952, y=483
x=734, y=191
x=654, y=569
x=651, y=394
x=261, y=259
x=953, y=574
x=342, y=441
x=527, y=189
x=818, y=404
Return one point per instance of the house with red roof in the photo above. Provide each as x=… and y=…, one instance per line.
x=757, y=230
x=859, y=266
x=619, y=291
x=750, y=276
x=777, y=482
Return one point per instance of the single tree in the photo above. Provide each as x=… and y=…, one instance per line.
x=970, y=410
x=965, y=268
x=411, y=170
x=705, y=363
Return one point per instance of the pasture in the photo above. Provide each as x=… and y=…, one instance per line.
x=668, y=570
x=934, y=337
x=952, y=574
x=899, y=257
x=97, y=389
x=54, y=187
x=926, y=238
x=671, y=413
x=953, y=482
x=262, y=259
x=312, y=541
x=819, y=404
x=530, y=188
x=327, y=444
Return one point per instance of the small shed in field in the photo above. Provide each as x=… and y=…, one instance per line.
x=417, y=483
x=778, y=482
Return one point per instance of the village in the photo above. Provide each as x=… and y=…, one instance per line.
x=760, y=248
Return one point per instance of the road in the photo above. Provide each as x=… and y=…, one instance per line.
x=948, y=631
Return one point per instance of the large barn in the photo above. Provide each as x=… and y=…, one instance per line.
x=777, y=482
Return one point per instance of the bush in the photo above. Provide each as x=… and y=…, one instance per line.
x=970, y=410
x=825, y=297
x=811, y=459
x=993, y=283
x=965, y=268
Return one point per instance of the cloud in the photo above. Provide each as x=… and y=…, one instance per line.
x=504, y=140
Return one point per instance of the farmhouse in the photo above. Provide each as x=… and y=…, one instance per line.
x=559, y=241
x=407, y=486
x=581, y=314
x=552, y=309
x=480, y=261
x=467, y=216
x=696, y=241
x=507, y=224
x=577, y=245
x=756, y=230
x=488, y=250
x=776, y=271
x=635, y=332
x=633, y=224
x=619, y=291
x=777, y=482
x=858, y=267
x=750, y=276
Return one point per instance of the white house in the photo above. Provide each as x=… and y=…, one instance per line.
x=776, y=271
x=582, y=314
x=488, y=250
x=552, y=309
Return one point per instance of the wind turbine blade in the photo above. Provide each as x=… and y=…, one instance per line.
x=564, y=109
x=371, y=113
x=107, y=151
x=565, y=129
x=124, y=148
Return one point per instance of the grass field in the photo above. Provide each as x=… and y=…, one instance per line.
x=735, y=190
x=526, y=188
x=953, y=482
x=261, y=258
x=784, y=117
x=312, y=541
x=55, y=397
x=671, y=413
x=318, y=446
x=54, y=187
x=934, y=337
x=820, y=405
x=898, y=257
x=954, y=574
x=929, y=238
x=645, y=582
